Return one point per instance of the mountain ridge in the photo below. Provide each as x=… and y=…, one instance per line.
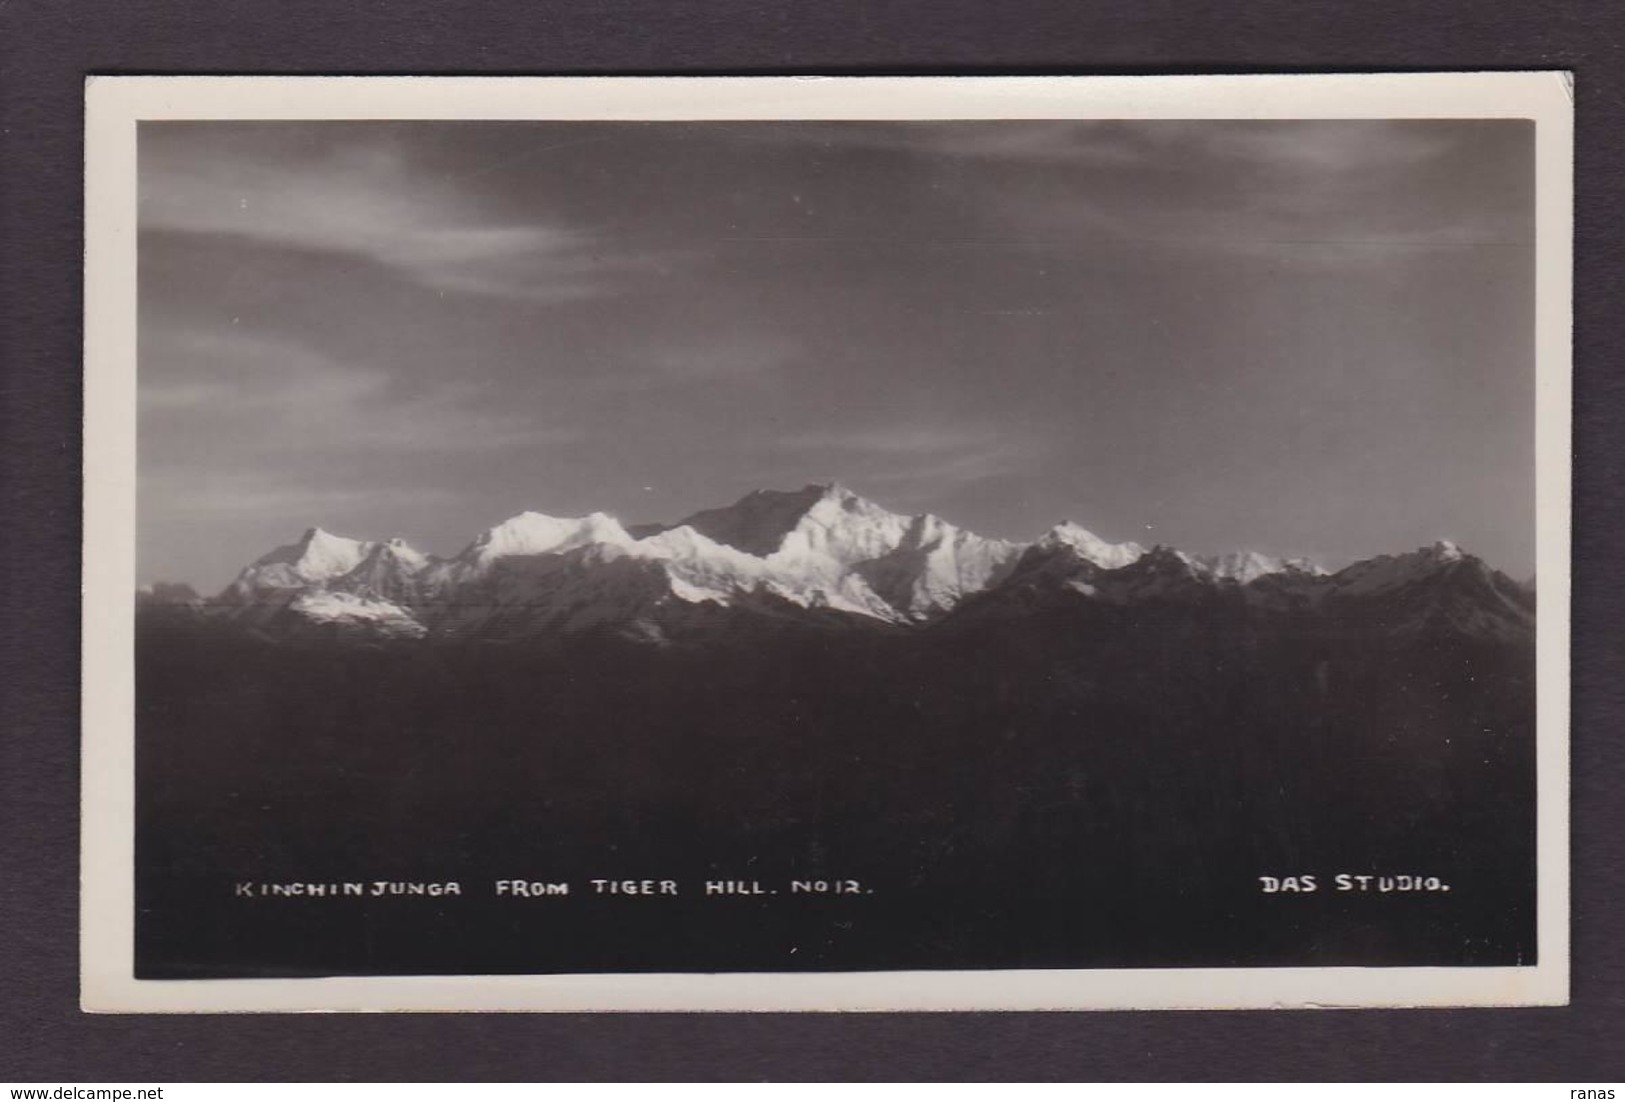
x=811, y=553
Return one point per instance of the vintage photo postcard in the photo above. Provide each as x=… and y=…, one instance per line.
x=826, y=544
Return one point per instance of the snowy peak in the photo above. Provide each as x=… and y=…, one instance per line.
x=758, y=522
x=1246, y=567
x=394, y=552
x=390, y=572
x=822, y=551
x=539, y=534
x=1242, y=567
x=936, y=565
x=314, y=559
x=318, y=555
x=1088, y=546
x=352, y=614
x=824, y=544
x=762, y=522
x=1160, y=572
x=1390, y=572
x=1436, y=588
x=845, y=529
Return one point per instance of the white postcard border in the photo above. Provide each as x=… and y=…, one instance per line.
x=114, y=106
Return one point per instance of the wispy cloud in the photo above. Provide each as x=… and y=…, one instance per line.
x=1231, y=187
x=1309, y=146
x=364, y=200
x=1324, y=190
x=736, y=356
x=293, y=398
x=896, y=440
x=904, y=455
x=186, y=491
x=1002, y=323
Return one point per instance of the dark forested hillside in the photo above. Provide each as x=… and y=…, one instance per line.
x=1071, y=786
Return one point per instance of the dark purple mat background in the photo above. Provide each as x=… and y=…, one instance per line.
x=46, y=49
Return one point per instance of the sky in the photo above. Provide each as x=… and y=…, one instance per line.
x=1308, y=338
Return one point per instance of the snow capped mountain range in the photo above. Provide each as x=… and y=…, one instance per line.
x=820, y=550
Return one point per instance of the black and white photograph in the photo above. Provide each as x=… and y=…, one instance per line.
x=781, y=556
